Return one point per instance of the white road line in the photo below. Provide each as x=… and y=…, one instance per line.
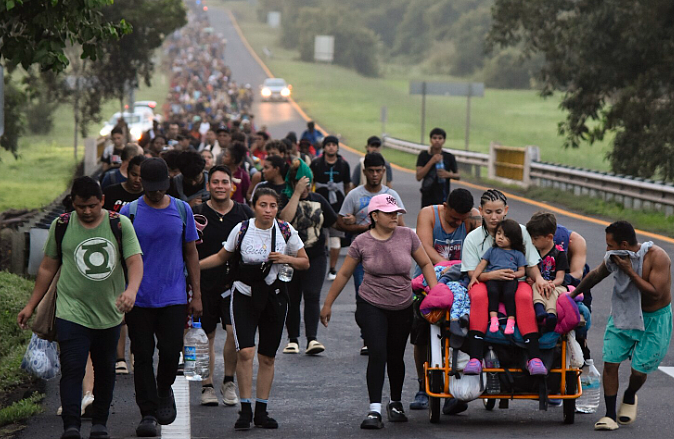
x=668, y=370
x=180, y=428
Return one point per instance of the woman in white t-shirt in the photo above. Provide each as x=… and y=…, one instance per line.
x=256, y=249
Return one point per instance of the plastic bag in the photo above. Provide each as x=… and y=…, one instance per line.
x=462, y=359
x=467, y=387
x=574, y=353
x=41, y=359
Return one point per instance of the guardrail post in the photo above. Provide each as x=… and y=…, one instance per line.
x=491, y=164
x=90, y=156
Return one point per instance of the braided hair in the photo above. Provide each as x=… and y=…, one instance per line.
x=491, y=195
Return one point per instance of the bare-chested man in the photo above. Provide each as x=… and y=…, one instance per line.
x=441, y=229
x=642, y=333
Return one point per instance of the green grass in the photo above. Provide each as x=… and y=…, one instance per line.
x=14, y=294
x=348, y=104
x=21, y=410
x=46, y=163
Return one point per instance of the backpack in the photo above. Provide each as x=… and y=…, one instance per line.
x=235, y=261
x=115, y=225
x=133, y=209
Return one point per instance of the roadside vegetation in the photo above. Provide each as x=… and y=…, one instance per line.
x=349, y=104
x=19, y=399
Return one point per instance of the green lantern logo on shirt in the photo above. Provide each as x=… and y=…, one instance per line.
x=96, y=258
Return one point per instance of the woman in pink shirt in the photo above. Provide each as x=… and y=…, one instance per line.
x=384, y=304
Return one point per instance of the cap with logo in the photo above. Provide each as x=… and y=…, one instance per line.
x=384, y=203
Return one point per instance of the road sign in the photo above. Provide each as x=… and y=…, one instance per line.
x=473, y=89
x=2, y=102
x=467, y=89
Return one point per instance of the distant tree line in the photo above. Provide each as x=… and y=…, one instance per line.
x=442, y=36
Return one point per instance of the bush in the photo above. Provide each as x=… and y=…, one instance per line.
x=14, y=294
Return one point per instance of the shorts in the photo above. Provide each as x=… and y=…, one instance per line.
x=334, y=238
x=216, y=310
x=550, y=303
x=269, y=321
x=646, y=348
x=421, y=331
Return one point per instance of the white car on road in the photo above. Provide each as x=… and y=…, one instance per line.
x=275, y=89
x=138, y=123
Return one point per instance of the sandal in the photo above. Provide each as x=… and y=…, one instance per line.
x=627, y=413
x=121, y=368
x=606, y=424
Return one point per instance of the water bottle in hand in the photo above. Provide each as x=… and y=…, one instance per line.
x=285, y=273
x=590, y=379
x=440, y=165
x=196, y=353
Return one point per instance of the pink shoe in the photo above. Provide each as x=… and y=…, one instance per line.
x=474, y=367
x=536, y=367
x=493, y=327
x=510, y=327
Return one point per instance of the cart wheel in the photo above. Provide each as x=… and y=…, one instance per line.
x=570, y=404
x=489, y=404
x=436, y=386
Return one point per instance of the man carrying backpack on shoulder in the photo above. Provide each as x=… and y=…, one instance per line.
x=167, y=234
x=92, y=246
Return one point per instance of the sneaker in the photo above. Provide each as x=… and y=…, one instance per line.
x=99, y=431
x=71, y=433
x=292, y=348
x=147, y=427
x=364, y=350
x=535, y=367
x=453, y=406
x=228, y=391
x=208, y=396
x=121, y=368
x=510, y=327
x=59, y=411
x=87, y=407
x=395, y=412
x=420, y=401
x=332, y=274
x=372, y=422
x=474, y=367
x=554, y=402
x=265, y=421
x=243, y=423
x=314, y=348
x=166, y=409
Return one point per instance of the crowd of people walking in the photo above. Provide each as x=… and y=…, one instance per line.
x=209, y=217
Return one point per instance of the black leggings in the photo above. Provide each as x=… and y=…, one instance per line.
x=502, y=291
x=385, y=333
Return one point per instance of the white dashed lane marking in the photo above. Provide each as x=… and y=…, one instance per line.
x=181, y=427
x=668, y=370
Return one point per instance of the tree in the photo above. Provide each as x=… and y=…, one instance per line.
x=612, y=61
x=36, y=32
x=129, y=60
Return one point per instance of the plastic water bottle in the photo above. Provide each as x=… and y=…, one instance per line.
x=590, y=380
x=196, y=353
x=285, y=273
x=440, y=165
x=493, y=382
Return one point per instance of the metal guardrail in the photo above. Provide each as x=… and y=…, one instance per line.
x=632, y=192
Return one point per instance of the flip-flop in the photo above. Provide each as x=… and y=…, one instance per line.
x=627, y=413
x=606, y=423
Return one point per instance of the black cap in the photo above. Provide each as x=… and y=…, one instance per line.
x=154, y=174
x=374, y=140
x=292, y=136
x=330, y=139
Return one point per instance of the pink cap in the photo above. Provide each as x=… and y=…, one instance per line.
x=384, y=203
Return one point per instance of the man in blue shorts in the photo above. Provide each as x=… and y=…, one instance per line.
x=640, y=325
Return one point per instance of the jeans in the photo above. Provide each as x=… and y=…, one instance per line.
x=307, y=284
x=167, y=325
x=385, y=334
x=76, y=342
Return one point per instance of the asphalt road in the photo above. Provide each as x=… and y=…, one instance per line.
x=325, y=396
